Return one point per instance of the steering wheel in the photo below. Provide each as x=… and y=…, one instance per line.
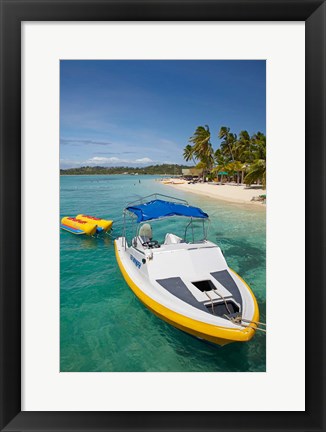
x=151, y=244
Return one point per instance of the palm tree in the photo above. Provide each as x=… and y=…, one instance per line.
x=229, y=140
x=243, y=147
x=202, y=167
x=188, y=153
x=259, y=143
x=235, y=166
x=202, y=147
x=201, y=141
x=243, y=171
x=222, y=163
x=257, y=172
x=257, y=169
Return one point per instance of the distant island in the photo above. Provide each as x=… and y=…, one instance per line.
x=168, y=169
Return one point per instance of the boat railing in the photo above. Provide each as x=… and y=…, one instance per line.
x=190, y=224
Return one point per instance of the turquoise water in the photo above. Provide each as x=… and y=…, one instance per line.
x=104, y=328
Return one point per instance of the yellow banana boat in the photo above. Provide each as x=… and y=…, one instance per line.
x=101, y=223
x=78, y=226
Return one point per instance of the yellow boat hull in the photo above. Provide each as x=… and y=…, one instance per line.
x=214, y=334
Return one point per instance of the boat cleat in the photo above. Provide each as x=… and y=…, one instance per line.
x=149, y=255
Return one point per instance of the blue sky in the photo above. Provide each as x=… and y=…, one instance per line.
x=142, y=112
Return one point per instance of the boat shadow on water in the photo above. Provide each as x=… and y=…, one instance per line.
x=199, y=355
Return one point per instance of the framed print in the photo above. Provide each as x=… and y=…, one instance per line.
x=104, y=88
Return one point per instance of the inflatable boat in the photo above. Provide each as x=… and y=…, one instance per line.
x=85, y=225
x=77, y=226
x=103, y=224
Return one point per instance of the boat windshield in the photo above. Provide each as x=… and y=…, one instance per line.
x=188, y=231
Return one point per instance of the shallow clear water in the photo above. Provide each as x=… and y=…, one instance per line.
x=103, y=326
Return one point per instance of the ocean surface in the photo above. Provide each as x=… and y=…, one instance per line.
x=104, y=327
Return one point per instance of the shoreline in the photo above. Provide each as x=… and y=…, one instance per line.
x=228, y=193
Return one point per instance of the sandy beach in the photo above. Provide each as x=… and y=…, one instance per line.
x=231, y=193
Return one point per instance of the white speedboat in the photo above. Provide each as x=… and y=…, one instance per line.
x=185, y=281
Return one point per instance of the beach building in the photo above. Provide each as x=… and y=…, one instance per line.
x=191, y=172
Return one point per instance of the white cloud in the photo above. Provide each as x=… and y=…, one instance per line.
x=99, y=159
x=144, y=160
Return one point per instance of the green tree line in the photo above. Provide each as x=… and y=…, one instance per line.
x=169, y=169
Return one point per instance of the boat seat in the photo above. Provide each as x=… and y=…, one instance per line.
x=172, y=239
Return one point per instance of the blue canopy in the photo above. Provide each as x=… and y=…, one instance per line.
x=157, y=209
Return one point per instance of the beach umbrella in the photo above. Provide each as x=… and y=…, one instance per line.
x=222, y=173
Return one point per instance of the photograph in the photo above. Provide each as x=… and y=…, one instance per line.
x=154, y=235
x=163, y=195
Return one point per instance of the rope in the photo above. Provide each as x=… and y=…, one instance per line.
x=237, y=320
x=255, y=322
x=254, y=328
x=226, y=304
x=210, y=300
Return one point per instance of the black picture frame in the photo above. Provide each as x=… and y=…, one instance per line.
x=13, y=13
